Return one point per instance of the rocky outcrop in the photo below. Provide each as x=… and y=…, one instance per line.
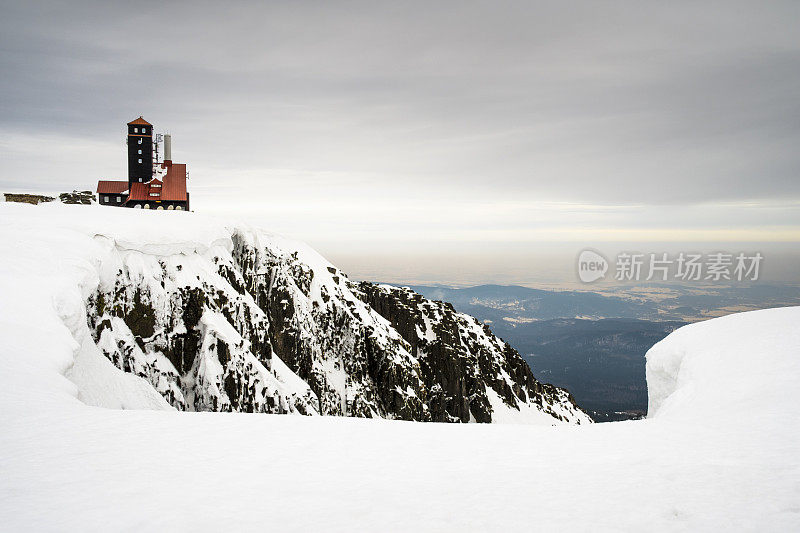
x=461, y=360
x=74, y=197
x=355, y=362
x=202, y=344
x=24, y=198
x=257, y=323
x=77, y=197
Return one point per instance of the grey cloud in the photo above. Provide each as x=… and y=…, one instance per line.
x=610, y=103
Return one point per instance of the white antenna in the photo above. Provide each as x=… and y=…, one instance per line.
x=157, y=139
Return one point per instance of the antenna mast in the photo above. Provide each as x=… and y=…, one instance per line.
x=156, y=139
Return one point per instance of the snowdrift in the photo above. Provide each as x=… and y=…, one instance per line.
x=735, y=368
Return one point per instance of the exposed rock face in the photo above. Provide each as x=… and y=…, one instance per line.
x=461, y=359
x=355, y=362
x=202, y=344
x=260, y=324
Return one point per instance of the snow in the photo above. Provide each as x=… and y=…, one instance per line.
x=754, y=358
x=101, y=384
x=717, y=452
x=501, y=414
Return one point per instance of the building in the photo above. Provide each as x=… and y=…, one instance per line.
x=151, y=184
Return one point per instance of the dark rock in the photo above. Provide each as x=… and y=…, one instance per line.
x=28, y=198
x=78, y=197
x=140, y=317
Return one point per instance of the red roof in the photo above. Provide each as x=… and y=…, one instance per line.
x=138, y=121
x=111, y=187
x=172, y=189
x=140, y=191
x=175, y=183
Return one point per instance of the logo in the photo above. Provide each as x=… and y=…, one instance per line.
x=591, y=266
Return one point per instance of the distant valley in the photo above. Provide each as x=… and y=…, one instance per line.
x=593, y=343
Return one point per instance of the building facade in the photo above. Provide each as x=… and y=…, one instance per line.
x=150, y=185
x=140, y=151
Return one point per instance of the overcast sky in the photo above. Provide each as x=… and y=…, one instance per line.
x=425, y=129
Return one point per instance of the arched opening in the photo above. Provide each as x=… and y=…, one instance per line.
x=147, y=206
x=178, y=208
x=170, y=208
x=160, y=208
x=137, y=206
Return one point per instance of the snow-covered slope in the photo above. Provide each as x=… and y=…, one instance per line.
x=742, y=368
x=225, y=317
x=719, y=451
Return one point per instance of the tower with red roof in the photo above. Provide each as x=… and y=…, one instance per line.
x=160, y=187
x=140, y=151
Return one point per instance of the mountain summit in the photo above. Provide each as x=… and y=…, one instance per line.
x=216, y=317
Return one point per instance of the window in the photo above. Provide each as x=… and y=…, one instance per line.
x=140, y=180
x=147, y=206
x=119, y=199
x=144, y=130
x=156, y=185
x=140, y=141
x=155, y=194
x=140, y=151
x=140, y=160
x=135, y=130
x=105, y=199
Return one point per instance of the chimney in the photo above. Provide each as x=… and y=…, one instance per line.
x=167, y=148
